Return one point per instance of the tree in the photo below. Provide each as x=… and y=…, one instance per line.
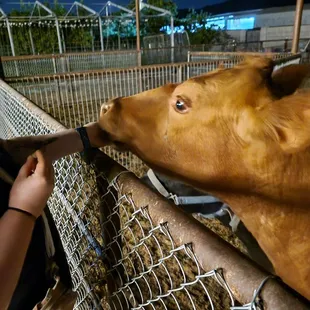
x=152, y=25
x=44, y=32
x=200, y=31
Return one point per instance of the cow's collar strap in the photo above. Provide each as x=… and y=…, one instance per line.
x=190, y=200
x=179, y=200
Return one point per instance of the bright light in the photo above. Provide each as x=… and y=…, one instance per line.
x=243, y=23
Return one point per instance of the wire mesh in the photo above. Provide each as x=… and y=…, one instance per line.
x=151, y=271
x=72, y=204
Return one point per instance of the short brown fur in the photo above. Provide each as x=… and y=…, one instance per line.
x=237, y=141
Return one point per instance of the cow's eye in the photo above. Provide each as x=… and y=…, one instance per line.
x=180, y=106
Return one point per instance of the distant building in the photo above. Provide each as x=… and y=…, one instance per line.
x=260, y=18
x=271, y=24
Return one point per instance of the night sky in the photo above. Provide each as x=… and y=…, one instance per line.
x=197, y=4
x=184, y=3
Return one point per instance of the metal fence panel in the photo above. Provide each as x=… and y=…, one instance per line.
x=127, y=248
x=62, y=63
x=208, y=56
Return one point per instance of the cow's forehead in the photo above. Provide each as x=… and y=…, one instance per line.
x=221, y=77
x=208, y=82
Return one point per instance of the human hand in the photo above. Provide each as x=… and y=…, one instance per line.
x=33, y=185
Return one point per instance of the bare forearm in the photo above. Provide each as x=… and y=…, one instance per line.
x=57, y=145
x=62, y=144
x=69, y=142
x=15, y=235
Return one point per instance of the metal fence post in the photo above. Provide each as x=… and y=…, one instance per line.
x=172, y=39
x=1, y=70
x=54, y=64
x=297, y=25
x=58, y=36
x=138, y=32
x=31, y=41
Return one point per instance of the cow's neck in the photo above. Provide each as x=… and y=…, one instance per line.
x=284, y=178
x=282, y=232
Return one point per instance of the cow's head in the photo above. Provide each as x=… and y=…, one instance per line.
x=217, y=129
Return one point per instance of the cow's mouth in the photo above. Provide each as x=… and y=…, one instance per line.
x=120, y=146
x=116, y=144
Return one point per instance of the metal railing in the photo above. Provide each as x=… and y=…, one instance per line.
x=127, y=247
x=62, y=63
x=194, y=56
x=20, y=66
x=280, y=59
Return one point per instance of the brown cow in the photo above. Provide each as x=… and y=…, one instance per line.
x=229, y=134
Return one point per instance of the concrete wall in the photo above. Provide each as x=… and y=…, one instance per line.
x=239, y=35
x=279, y=33
x=270, y=34
x=270, y=18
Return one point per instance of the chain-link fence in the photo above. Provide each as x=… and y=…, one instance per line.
x=73, y=202
x=127, y=247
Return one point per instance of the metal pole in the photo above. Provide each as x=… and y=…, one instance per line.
x=298, y=18
x=92, y=39
x=172, y=39
x=138, y=31
x=58, y=36
x=108, y=24
x=31, y=41
x=101, y=34
x=10, y=36
x=63, y=40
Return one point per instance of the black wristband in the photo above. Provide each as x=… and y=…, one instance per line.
x=84, y=137
x=23, y=211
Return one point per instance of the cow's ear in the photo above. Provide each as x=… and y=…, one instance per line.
x=288, y=120
x=264, y=64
